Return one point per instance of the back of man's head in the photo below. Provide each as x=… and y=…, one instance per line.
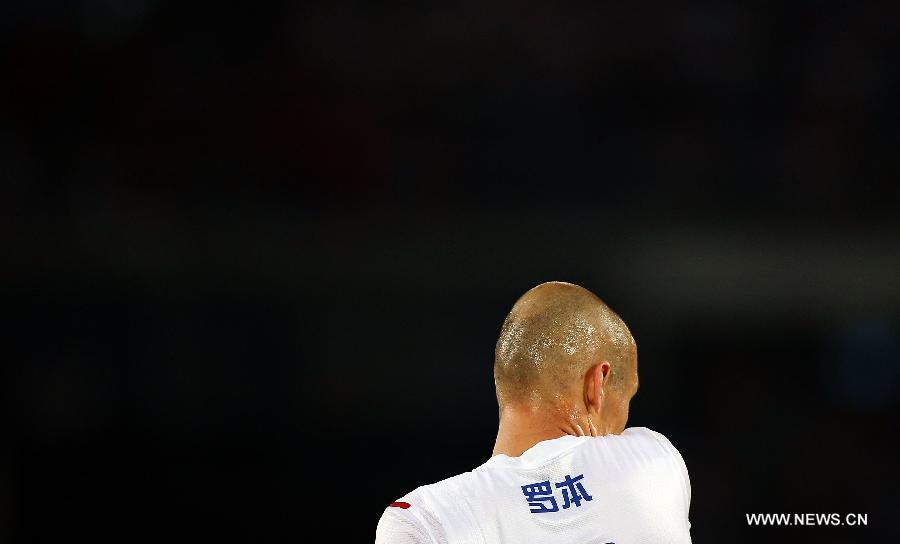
x=554, y=333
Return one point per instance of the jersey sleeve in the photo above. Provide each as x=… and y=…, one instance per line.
x=686, y=487
x=398, y=526
x=684, y=477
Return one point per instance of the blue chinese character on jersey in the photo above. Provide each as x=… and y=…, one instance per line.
x=573, y=491
x=540, y=497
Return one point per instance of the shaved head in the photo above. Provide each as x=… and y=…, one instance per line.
x=554, y=333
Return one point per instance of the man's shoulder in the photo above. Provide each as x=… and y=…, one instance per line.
x=426, y=513
x=644, y=431
x=656, y=444
x=440, y=490
x=649, y=438
x=634, y=448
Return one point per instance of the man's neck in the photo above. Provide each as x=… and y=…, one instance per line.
x=521, y=427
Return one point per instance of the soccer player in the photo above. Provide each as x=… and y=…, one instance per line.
x=564, y=467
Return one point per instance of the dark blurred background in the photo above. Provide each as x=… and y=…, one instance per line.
x=256, y=257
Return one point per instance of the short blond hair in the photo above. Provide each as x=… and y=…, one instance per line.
x=552, y=335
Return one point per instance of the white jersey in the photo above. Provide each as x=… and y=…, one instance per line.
x=631, y=488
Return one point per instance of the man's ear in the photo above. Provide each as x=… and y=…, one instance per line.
x=594, y=380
